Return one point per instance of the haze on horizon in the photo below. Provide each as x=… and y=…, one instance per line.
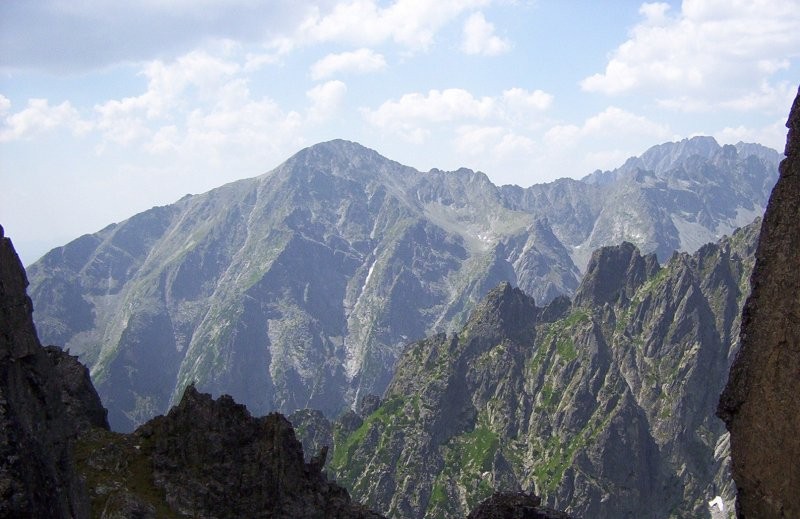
x=107, y=109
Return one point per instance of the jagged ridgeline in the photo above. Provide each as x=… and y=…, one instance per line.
x=301, y=287
x=604, y=405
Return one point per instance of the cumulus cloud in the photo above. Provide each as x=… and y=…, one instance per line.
x=479, y=37
x=712, y=51
x=412, y=24
x=772, y=135
x=612, y=121
x=499, y=141
x=325, y=99
x=38, y=117
x=411, y=113
x=362, y=60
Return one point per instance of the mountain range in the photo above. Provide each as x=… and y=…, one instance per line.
x=603, y=405
x=300, y=288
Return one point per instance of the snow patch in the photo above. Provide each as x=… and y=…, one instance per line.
x=717, y=508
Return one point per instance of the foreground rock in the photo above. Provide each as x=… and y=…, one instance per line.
x=760, y=404
x=211, y=458
x=514, y=505
x=42, y=402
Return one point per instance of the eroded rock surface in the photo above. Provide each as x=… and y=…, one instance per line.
x=761, y=403
x=37, y=472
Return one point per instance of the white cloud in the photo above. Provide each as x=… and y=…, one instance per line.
x=479, y=37
x=499, y=141
x=611, y=122
x=519, y=99
x=772, y=135
x=711, y=52
x=361, y=60
x=602, y=141
x=38, y=117
x=325, y=99
x=413, y=112
x=410, y=23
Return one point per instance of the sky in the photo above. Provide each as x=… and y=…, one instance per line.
x=108, y=108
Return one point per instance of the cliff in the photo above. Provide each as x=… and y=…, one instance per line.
x=760, y=403
x=45, y=400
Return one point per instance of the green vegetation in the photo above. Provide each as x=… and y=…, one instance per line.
x=395, y=413
x=467, y=458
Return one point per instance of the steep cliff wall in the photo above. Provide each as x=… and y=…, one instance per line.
x=761, y=403
x=39, y=420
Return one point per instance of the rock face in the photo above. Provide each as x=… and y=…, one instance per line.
x=513, y=505
x=300, y=288
x=604, y=406
x=760, y=404
x=211, y=458
x=43, y=396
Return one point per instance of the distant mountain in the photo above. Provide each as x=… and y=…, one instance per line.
x=604, y=405
x=300, y=288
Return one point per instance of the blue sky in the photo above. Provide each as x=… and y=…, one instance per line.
x=108, y=108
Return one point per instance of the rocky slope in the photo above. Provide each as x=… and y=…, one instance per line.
x=301, y=287
x=603, y=405
x=46, y=399
x=760, y=404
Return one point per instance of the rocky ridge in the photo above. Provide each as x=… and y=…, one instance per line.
x=603, y=405
x=210, y=458
x=207, y=289
x=760, y=405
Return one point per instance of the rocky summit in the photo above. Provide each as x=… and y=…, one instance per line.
x=760, y=404
x=603, y=405
x=300, y=288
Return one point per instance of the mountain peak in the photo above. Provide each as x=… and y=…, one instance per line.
x=505, y=309
x=614, y=273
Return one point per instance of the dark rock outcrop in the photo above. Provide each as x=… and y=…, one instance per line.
x=514, y=505
x=761, y=404
x=37, y=473
x=211, y=458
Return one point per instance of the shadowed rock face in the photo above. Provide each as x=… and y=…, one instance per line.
x=210, y=457
x=45, y=400
x=761, y=403
x=514, y=505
